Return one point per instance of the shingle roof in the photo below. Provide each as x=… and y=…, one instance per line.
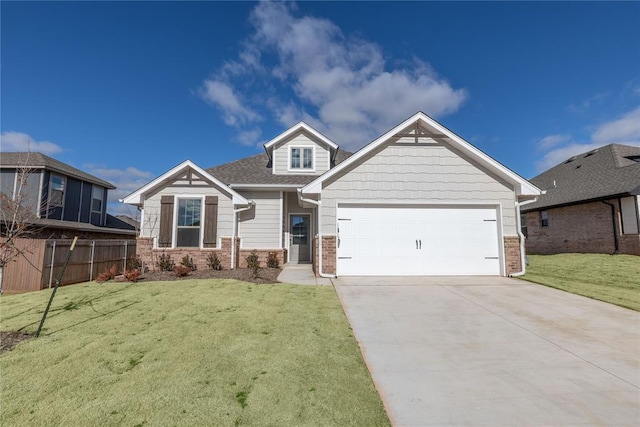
x=39, y=161
x=257, y=170
x=595, y=175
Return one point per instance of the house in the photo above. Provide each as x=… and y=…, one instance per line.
x=58, y=200
x=419, y=200
x=591, y=204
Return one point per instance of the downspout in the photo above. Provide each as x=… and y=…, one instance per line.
x=613, y=223
x=235, y=227
x=522, y=237
x=319, y=212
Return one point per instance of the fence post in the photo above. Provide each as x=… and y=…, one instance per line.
x=125, y=255
x=93, y=250
x=53, y=255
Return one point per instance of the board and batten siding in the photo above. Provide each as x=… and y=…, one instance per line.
x=427, y=174
x=151, y=221
x=259, y=228
x=281, y=156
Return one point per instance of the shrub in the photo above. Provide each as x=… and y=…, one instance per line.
x=187, y=261
x=107, y=275
x=135, y=263
x=272, y=260
x=213, y=261
x=253, y=262
x=181, y=271
x=131, y=275
x=165, y=263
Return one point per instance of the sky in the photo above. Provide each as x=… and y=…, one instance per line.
x=128, y=90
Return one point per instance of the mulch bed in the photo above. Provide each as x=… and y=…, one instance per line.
x=8, y=339
x=265, y=275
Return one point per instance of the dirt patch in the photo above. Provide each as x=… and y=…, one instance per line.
x=265, y=275
x=9, y=339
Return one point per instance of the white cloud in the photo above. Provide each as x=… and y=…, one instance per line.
x=623, y=130
x=303, y=67
x=552, y=140
x=626, y=128
x=126, y=180
x=18, y=141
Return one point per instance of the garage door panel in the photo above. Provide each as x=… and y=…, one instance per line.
x=417, y=241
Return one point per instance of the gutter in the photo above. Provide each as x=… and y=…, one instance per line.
x=613, y=223
x=319, y=211
x=233, y=238
x=522, y=238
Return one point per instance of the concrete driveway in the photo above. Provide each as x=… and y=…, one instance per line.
x=494, y=351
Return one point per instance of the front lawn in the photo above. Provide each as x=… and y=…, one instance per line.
x=195, y=352
x=611, y=278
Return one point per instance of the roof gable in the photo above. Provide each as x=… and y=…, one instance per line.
x=420, y=126
x=293, y=130
x=183, y=170
x=601, y=173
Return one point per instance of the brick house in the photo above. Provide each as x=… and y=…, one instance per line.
x=418, y=200
x=591, y=204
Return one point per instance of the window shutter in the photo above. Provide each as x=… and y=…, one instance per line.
x=210, y=221
x=166, y=221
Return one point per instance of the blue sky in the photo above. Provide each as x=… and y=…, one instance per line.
x=127, y=90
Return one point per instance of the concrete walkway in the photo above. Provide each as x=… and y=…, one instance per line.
x=301, y=274
x=495, y=351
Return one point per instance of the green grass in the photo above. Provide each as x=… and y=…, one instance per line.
x=611, y=278
x=197, y=352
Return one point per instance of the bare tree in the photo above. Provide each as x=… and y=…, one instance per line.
x=18, y=216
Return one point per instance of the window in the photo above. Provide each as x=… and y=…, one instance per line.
x=56, y=194
x=97, y=194
x=189, y=218
x=301, y=158
x=523, y=225
x=544, y=219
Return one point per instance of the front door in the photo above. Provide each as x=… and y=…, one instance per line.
x=300, y=241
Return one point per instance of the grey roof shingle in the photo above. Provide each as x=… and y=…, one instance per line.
x=608, y=171
x=39, y=160
x=257, y=170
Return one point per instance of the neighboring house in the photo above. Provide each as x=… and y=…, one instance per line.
x=59, y=201
x=419, y=200
x=591, y=204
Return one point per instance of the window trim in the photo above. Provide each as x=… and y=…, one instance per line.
x=302, y=148
x=544, y=219
x=176, y=204
x=101, y=200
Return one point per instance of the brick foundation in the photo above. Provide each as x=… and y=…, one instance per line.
x=328, y=255
x=149, y=256
x=263, y=255
x=513, y=260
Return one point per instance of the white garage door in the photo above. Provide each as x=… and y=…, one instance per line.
x=416, y=241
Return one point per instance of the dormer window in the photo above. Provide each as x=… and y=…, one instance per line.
x=301, y=158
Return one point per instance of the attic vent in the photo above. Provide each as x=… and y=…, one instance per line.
x=571, y=159
x=634, y=158
x=591, y=153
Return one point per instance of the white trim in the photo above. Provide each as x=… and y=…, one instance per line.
x=295, y=128
x=302, y=170
x=40, y=188
x=174, y=237
x=136, y=198
x=523, y=187
x=265, y=186
x=309, y=233
x=281, y=219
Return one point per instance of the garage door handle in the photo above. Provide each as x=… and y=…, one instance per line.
x=416, y=243
x=420, y=241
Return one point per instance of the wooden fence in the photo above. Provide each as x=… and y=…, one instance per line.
x=42, y=262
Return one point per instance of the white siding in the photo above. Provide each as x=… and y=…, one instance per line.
x=151, y=221
x=419, y=173
x=281, y=156
x=259, y=228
